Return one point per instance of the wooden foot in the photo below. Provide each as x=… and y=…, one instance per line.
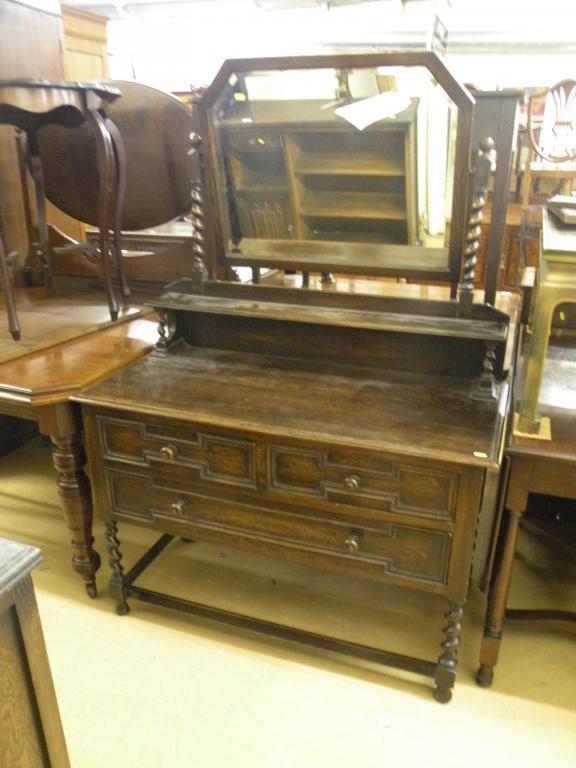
x=447, y=664
x=117, y=584
x=74, y=491
x=485, y=676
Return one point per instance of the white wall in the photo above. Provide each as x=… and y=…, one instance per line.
x=172, y=52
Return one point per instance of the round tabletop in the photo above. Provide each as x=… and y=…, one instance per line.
x=155, y=127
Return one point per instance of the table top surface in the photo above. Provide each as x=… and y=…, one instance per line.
x=50, y=320
x=155, y=129
x=558, y=239
x=405, y=413
x=557, y=402
x=66, y=349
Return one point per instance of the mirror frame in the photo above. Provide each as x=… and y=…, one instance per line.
x=219, y=260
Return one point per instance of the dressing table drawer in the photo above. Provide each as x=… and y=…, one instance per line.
x=193, y=455
x=383, y=550
x=364, y=480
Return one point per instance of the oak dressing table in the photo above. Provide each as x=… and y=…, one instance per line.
x=351, y=432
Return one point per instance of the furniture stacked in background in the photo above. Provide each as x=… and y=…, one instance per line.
x=31, y=105
x=158, y=243
x=359, y=434
x=68, y=342
x=551, y=140
x=31, y=733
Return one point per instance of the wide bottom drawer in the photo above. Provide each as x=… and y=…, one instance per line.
x=384, y=551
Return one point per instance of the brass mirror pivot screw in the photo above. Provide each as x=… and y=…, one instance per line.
x=352, y=482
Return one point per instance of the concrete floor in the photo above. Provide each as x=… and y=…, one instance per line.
x=161, y=689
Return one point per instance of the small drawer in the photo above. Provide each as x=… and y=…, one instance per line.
x=201, y=456
x=365, y=480
x=389, y=550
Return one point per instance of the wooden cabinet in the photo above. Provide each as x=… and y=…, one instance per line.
x=31, y=734
x=296, y=171
x=85, y=45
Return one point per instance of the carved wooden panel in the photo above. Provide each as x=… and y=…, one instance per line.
x=211, y=457
x=21, y=741
x=399, y=551
x=364, y=480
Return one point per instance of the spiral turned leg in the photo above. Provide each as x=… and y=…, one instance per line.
x=448, y=660
x=117, y=585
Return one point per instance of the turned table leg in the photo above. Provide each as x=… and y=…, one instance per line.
x=62, y=424
x=447, y=664
x=516, y=503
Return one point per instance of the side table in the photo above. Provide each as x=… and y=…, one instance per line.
x=31, y=735
x=536, y=466
x=31, y=104
x=39, y=385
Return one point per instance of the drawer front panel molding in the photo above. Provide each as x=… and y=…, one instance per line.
x=400, y=552
x=333, y=479
x=364, y=481
x=214, y=458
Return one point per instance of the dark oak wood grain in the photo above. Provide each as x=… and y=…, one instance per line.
x=323, y=443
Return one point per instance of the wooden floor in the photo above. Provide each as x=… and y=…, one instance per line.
x=157, y=689
x=47, y=321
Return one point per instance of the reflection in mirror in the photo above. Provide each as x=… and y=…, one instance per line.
x=362, y=156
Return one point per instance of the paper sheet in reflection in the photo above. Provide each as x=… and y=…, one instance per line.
x=363, y=113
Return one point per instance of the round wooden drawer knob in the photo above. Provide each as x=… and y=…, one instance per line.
x=352, y=482
x=352, y=543
x=178, y=507
x=168, y=452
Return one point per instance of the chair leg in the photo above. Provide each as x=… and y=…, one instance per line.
x=40, y=195
x=13, y=324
